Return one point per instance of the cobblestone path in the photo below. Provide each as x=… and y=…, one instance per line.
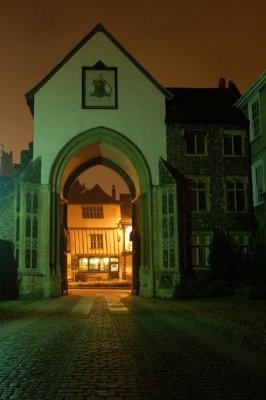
x=108, y=346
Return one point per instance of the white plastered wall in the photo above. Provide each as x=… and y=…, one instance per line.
x=59, y=115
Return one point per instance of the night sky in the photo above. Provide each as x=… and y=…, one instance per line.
x=183, y=44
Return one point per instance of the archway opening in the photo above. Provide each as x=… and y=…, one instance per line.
x=99, y=230
x=111, y=149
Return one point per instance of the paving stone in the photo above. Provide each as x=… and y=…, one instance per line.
x=82, y=349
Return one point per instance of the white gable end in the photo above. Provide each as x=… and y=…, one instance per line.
x=59, y=115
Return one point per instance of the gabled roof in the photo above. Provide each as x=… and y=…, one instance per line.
x=99, y=28
x=204, y=105
x=96, y=195
x=252, y=91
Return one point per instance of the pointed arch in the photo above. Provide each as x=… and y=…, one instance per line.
x=106, y=144
x=98, y=145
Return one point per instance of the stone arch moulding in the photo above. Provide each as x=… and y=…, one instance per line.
x=106, y=143
x=89, y=148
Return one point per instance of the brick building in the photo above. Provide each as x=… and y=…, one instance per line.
x=207, y=143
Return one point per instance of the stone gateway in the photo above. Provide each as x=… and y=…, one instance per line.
x=100, y=106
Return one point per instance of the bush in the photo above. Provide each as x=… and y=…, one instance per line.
x=223, y=259
x=187, y=290
x=203, y=288
x=257, y=263
x=257, y=292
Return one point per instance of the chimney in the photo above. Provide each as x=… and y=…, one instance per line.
x=222, y=83
x=234, y=89
x=113, y=192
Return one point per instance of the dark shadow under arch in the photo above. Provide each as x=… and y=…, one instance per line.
x=99, y=161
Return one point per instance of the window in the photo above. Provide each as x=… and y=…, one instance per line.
x=241, y=242
x=235, y=195
x=254, y=114
x=96, y=241
x=95, y=264
x=198, y=193
x=258, y=182
x=195, y=142
x=200, y=247
x=233, y=145
x=92, y=212
x=83, y=264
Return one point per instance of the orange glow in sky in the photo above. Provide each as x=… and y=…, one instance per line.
x=181, y=44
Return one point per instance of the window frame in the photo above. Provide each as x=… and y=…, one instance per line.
x=232, y=136
x=92, y=212
x=96, y=241
x=199, y=179
x=255, y=131
x=255, y=191
x=235, y=180
x=196, y=144
x=200, y=247
x=241, y=245
x=102, y=264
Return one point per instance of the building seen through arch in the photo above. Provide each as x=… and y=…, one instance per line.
x=99, y=244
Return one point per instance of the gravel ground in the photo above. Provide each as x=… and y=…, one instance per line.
x=241, y=319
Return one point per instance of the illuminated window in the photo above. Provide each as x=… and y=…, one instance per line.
x=195, y=142
x=235, y=195
x=233, y=145
x=258, y=182
x=114, y=264
x=94, y=264
x=92, y=212
x=200, y=247
x=104, y=264
x=96, y=241
x=83, y=264
x=198, y=193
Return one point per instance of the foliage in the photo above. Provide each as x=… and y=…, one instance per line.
x=230, y=272
x=199, y=287
x=223, y=259
x=257, y=291
x=257, y=263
